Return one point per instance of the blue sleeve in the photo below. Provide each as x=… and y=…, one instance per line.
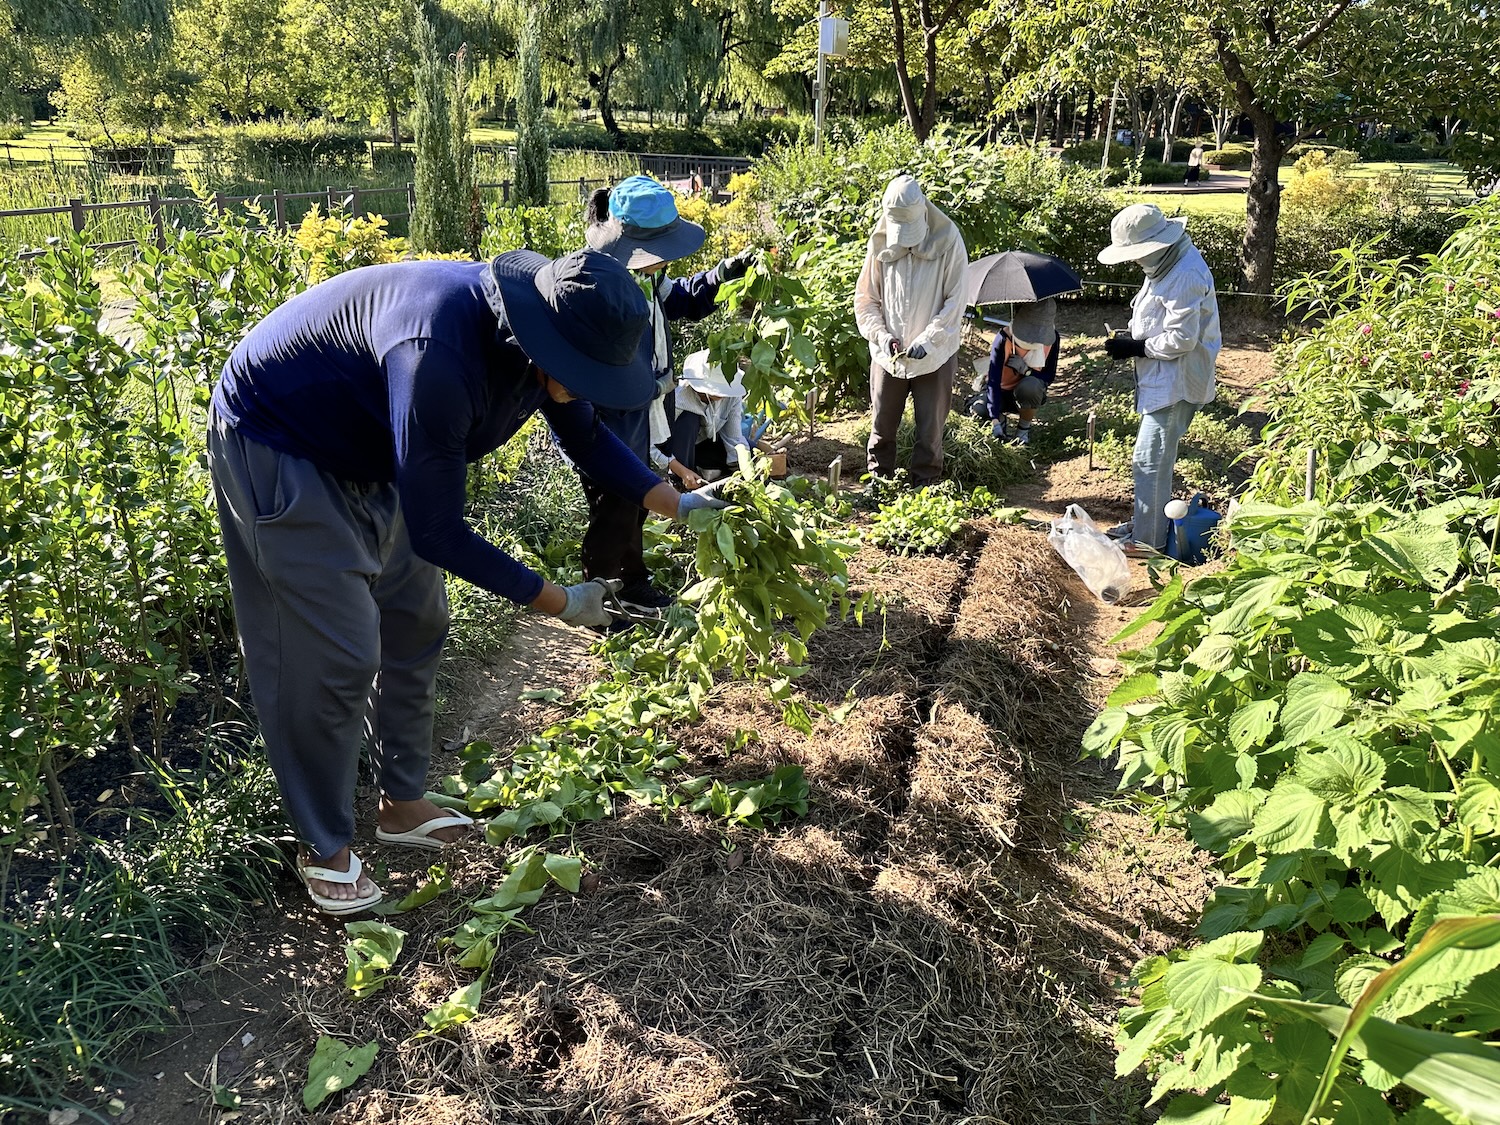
x=992, y=382
x=691, y=298
x=433, y=409
x=596, y=451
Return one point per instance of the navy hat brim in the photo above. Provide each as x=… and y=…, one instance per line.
x=628, y=386
x=636, y=248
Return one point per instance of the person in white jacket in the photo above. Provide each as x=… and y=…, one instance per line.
x=909, y=303
x=1174, y=340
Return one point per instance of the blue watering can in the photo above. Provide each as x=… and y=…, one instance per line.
x=1190, y=535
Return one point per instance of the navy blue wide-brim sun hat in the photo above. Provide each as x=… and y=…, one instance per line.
x=643, y=227
x=581, y=319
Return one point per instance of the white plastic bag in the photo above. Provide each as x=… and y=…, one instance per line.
x=1094, y=556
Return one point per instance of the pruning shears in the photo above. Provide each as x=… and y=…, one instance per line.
x=622, y=612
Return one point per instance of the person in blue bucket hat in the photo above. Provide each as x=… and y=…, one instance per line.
x=638, y=225
x=340, y=435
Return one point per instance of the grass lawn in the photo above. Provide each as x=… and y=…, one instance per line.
x=38, y=145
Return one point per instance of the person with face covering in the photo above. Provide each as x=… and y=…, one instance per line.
x=637, y=224
x=340, y=435
x=1023, y=364
x=909, y=304
x=1174, y=341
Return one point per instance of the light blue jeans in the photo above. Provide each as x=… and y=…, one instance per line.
x=1153, y=465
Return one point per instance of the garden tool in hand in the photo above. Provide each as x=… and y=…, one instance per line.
x=627, y=614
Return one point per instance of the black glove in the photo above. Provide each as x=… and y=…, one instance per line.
x=731, y=269
x=1125, y=347
x=916, y=351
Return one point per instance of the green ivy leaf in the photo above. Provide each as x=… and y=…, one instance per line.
x=460, y=1007
x=370, y=953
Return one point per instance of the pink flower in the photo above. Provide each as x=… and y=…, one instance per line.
x=1364, y=361
x=1449, y=287
x=1365, y=330
x=1462, y=387
x=1426, y=355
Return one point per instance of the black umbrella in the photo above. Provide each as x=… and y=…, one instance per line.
x=1019, y=275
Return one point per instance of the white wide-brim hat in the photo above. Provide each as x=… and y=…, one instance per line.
x=708, y=379
x=904, y=207
x=1139, y=230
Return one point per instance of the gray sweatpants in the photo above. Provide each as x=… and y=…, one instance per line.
x=931, y=399
x=341, y=626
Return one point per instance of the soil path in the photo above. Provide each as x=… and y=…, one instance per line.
x=936, y=942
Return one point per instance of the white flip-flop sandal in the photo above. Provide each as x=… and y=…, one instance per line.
x=337, y=906
x=422, y=835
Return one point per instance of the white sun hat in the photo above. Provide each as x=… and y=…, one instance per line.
x=905, y=210
x=708, y=379
x=1139, y=230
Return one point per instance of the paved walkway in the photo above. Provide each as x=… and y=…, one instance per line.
x=1218, y=183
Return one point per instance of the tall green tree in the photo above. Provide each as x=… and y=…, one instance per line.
x=438, y=219
x=532, y=155
x=1288, y=65
x=357, y=55
x=237, y=51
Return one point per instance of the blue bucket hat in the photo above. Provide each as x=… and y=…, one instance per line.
x=582, y=319
x=642, y=227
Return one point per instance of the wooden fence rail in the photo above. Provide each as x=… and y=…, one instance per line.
x=354, y=200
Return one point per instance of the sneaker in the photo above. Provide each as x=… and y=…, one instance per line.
x=1124, y=530
x=643, y=597
x=1022, y=435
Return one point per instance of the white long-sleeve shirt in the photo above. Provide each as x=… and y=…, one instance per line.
x=913, y=294
x=1177, y=315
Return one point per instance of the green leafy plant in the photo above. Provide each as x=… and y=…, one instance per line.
x=335, y=1067
x=371, y=953
x=1318, y=715
x=925, y=521
x=756, y=804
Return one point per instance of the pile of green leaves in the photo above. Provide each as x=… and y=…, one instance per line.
x=1319, y=715
x=925, y=521
x=769, y=568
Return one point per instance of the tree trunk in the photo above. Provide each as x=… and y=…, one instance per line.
x=1262, y=204
x=1171, y=129
x=903, y=79
x=393, y=115
x=1089, y=121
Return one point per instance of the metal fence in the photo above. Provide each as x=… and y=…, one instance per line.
x=274, y=204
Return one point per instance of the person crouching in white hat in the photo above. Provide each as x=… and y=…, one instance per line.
x=1174, y=340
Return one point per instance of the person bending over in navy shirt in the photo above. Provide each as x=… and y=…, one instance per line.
x=340, y=435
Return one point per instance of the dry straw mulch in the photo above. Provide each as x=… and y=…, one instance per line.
x=934, y=942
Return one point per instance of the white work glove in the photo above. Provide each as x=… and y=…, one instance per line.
x=585, y=606
x=664, y=383
x=705, y=497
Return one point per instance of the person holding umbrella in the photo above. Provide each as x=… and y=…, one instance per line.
x=1023, y=357
x=1022, y=368
x=1173, y=341
x=340, y=435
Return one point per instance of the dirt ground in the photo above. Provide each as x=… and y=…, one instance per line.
x=938, y=940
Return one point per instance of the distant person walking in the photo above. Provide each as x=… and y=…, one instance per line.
x=1194, y=164
x=1174, y=341
x=909, y=302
